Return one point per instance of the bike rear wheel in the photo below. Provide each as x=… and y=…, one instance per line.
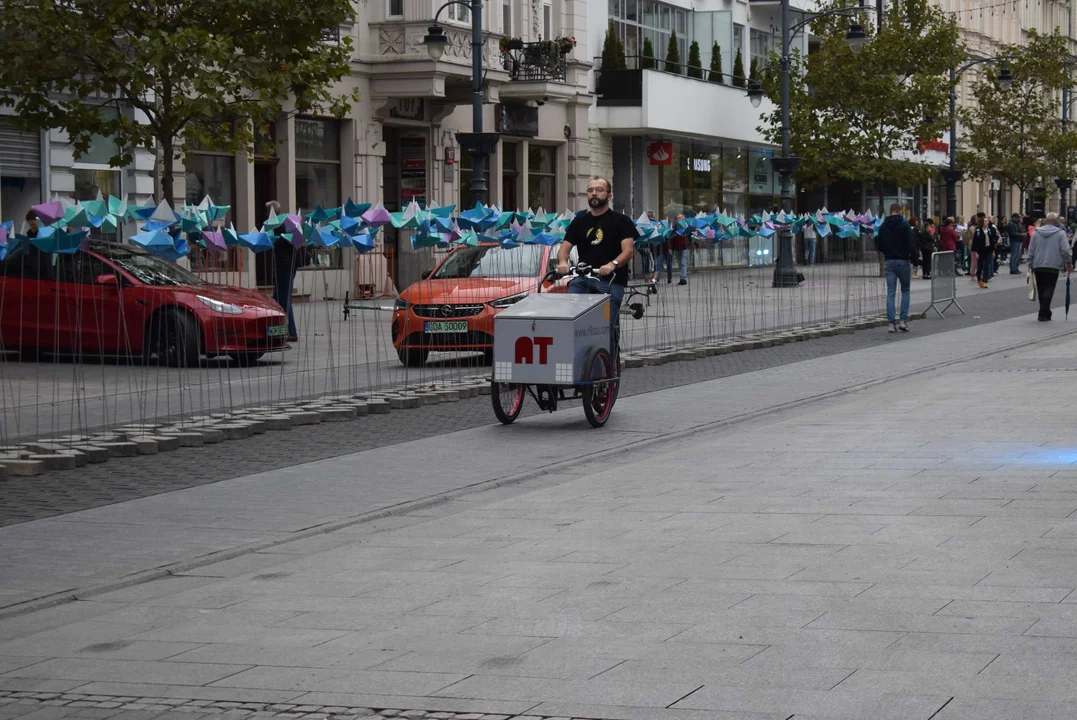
x=598, y=399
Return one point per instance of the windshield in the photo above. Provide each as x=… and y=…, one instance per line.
x=144, y=267
x=492, y=262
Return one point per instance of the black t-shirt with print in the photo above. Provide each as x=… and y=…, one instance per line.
x=598, y=239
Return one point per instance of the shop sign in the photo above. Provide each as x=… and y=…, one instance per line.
x=937, y=145
x=699, y=164
x=518, y=120
x=408, y=109
x=660, y=153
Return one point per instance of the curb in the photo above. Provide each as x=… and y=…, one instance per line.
x=635, y=446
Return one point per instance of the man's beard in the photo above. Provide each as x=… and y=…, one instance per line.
x=597, y=202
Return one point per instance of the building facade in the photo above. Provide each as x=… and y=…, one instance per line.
x=674, y=143
x=985, y=27
x=396, y=145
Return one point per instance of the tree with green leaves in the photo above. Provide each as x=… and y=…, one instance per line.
x=673, y=55
x=865, y=110
x=158, y=75
x=715, y=75
x=647, y=61
x=738, y=71
x=695, y=63
x=613, y=57
x=1016, y=134
x=613, y=52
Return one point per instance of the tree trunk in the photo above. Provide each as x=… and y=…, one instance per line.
x=167, y=179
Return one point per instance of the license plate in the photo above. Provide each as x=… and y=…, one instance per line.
x=277, y=330
x=451, y=326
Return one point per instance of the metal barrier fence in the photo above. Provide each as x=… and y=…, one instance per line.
x=944, y=282
x=80, y=354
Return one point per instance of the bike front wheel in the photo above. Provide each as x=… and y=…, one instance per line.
x=507, y=400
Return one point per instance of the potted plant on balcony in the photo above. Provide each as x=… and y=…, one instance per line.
x=565, y=43
x=507, y=43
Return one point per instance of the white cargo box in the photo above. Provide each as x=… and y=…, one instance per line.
x=545, y=338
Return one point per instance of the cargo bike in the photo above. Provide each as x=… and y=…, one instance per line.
x=556, y=347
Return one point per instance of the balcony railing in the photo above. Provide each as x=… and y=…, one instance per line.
x=625, y=87
x=331, y=35
x=540, y=61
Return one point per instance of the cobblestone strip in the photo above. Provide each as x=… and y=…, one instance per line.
x=103, y=707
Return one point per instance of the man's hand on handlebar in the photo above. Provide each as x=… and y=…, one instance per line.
x=562, y=269
x=607, y=269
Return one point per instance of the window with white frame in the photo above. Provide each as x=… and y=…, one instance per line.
x=547, y=21
x=395, y=8
x=760, y=47
x=459, y=13
x=506, y=18
x=641, y=20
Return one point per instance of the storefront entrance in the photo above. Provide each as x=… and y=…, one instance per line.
x=404, y=177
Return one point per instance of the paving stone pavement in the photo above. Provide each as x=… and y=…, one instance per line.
x=55, y=493
x=907, y=551
x=78, y=706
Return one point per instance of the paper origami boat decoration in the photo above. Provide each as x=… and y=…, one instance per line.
x=376, y=215
x=256, y=241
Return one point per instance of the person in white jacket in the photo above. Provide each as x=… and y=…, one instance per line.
x=1048, y=255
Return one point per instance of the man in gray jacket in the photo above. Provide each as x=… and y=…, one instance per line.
x=1048, y=255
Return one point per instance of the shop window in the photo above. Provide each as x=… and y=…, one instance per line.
x=541, y=177
x=93, y=174
x=317, y=177
x=212, y=175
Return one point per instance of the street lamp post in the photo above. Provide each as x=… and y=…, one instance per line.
x=953, y=175
x=785, y=272
x=477, y=144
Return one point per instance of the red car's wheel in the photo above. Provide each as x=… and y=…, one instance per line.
x=508, y=400
x=598, y=399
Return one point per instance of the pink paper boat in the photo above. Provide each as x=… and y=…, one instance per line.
x=376, y=215
x=49, y=212
x=214, y=240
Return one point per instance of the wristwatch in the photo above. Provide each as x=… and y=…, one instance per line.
x=614, y=263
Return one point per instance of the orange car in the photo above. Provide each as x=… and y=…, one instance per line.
x=453, y=307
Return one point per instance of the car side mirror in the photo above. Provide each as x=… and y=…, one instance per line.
x=107, y=279
x=427, y=274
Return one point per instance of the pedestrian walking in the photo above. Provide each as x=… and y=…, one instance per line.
x=810, y=241
x=925, y=241
x=984, y=249
x=1015, y=234
x=284, y=265
x=897, y=244
x=917, y=262
x=678, y=245
x=646, y=259
x=663, y=255
x=1048, y=255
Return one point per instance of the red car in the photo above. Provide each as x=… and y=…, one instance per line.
x=453, y=307
x=115, y=299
